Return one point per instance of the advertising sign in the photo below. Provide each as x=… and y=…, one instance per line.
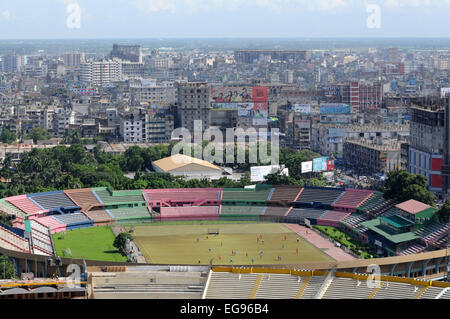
x=302, y=108
x=320, y=164
x=259, y=173
x=239, y=94
x=307, y=167
x=330, y=165
x=335, y=108
x=445, y=92
x=224, y=106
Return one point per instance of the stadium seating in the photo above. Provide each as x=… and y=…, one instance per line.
x=82, y=197
x=396, y=290
x=190, y=212
x=276, y=211
x=298, y=215
x=433, y=232
x=13, y=241
x=279, y=286
x=129, y=213
x=354, y=221
x=52, y=200
x=314, y=285
x=446, y=294
x=243, y=195
x=40, y=237
x=376, y=205
x=332, y=218
x=99, y=216
x=122, y=197
x=413, y=249
x=74, y=221
x=243, y=210
x=25, y=205
x=347, y=288
x=186, y=196
x=352, y=199
x=230, y=285
x=50, y=222
x=322, y=196
x=285, y=193
x=431, y=293
x=10, y=209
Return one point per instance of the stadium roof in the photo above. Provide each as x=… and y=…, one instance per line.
x=375, y=224
x=412, y=206
x=180, y=160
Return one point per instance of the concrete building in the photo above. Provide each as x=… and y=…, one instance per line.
x=12, y=63
x=329, y=139
x=426, y=150
x=155, y=93
x=73, y=59
x=131, y=53
x=373, y=156
x=102, y=72
x=194, y=104
x=132, y=128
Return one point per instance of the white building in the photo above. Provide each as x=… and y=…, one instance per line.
x=102, y=72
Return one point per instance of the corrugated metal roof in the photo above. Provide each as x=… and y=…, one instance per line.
x=180, y=160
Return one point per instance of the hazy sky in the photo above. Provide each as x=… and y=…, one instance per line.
x=38, y=19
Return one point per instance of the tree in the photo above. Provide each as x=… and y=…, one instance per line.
x=121, y=240
x=403, y=186
x=7, y=269
x=444, y=212
x=38, y=134
x=7, y=136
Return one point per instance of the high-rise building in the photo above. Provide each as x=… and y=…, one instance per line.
x=12, y=63
x=131, y=53
x=426, y=150
x=101, y=73
x=73, y=59
x=194, y=104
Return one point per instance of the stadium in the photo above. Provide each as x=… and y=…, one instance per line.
x=261, y=242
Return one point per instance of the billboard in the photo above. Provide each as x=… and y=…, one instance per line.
x=259, y=173
x=256, y=111
x=224, y=106
x=307, y=167
x=320, y=164
x=302, y=108
x=445, y=92
x=335, y=108
x=330, y=165
x=260, y=94
x=239, y=94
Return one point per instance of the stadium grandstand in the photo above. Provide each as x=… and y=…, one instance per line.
x=397, y=230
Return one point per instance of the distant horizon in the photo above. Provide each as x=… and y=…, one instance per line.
x=223, y=19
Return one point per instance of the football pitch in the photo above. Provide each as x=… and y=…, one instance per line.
x=95, y=243
x=236, y=244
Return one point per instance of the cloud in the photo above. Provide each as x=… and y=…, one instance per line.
x=5, y=15
x=152, y=6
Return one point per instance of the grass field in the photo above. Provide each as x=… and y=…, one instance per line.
x=94, y=243
x=177, y=244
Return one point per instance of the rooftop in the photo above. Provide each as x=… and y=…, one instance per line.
x=412, y=206
x=375, y=224
x=180, y=160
